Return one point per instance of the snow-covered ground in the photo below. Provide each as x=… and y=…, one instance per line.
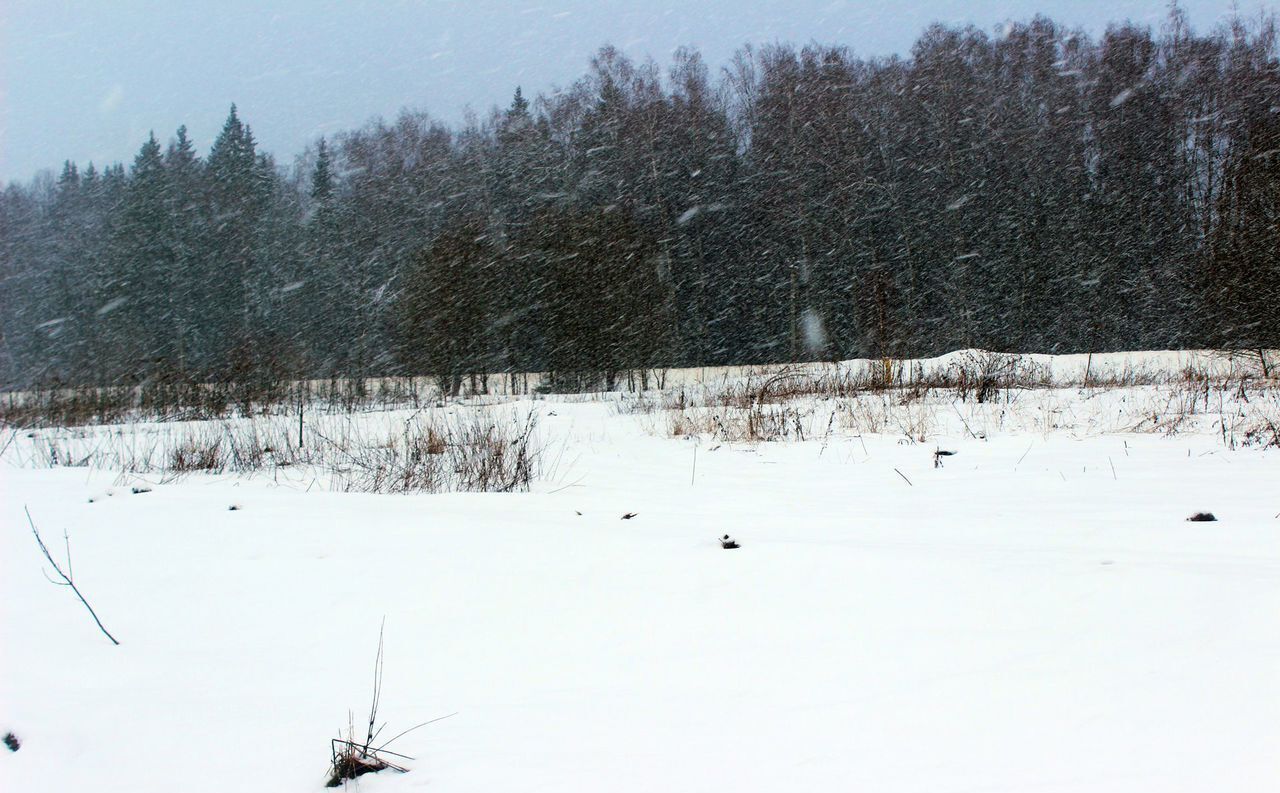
x=1036, y=614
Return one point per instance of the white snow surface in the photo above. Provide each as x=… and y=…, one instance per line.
x=1034, y=615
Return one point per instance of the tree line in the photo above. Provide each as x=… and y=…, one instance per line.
x=1036, y=190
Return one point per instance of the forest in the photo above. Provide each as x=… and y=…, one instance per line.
x=1034, y=189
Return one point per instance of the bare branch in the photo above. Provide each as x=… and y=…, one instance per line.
x=66, y=578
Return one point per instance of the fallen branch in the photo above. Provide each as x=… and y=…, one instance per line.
x=66, y=577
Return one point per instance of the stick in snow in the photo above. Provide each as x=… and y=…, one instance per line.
x=66, y=577
x=1024, y=455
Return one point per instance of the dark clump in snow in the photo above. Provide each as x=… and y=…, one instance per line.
x=728, y=543
x=11, y=741
x=350, y=765
x=1202, y=517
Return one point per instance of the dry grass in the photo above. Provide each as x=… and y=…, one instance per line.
x=974, y=395
x=254, y=427
x=755, y=424
x=466, y=451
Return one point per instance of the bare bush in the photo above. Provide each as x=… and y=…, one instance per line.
x=194, y=454
x=982, y=375
x=469, y=453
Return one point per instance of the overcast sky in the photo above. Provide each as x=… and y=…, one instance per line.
x=87, y=80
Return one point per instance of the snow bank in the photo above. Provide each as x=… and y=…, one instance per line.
x=1033, y=614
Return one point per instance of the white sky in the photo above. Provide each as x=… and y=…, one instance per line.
x=87, y=79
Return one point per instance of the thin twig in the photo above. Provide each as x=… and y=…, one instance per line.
x=960, y=416
x=66, y=579
x=904, y=477
x=45, y=573
x=13, y=433
x=377, y=687
x=1024, y=455
x=411, y=729
x=566, y=487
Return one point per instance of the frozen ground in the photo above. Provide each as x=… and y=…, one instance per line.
x=1036, y=615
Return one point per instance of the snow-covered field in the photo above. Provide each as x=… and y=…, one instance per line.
x=1035, y=614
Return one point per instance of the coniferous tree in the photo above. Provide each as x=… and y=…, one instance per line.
x=236, y=198
x=186, y=216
